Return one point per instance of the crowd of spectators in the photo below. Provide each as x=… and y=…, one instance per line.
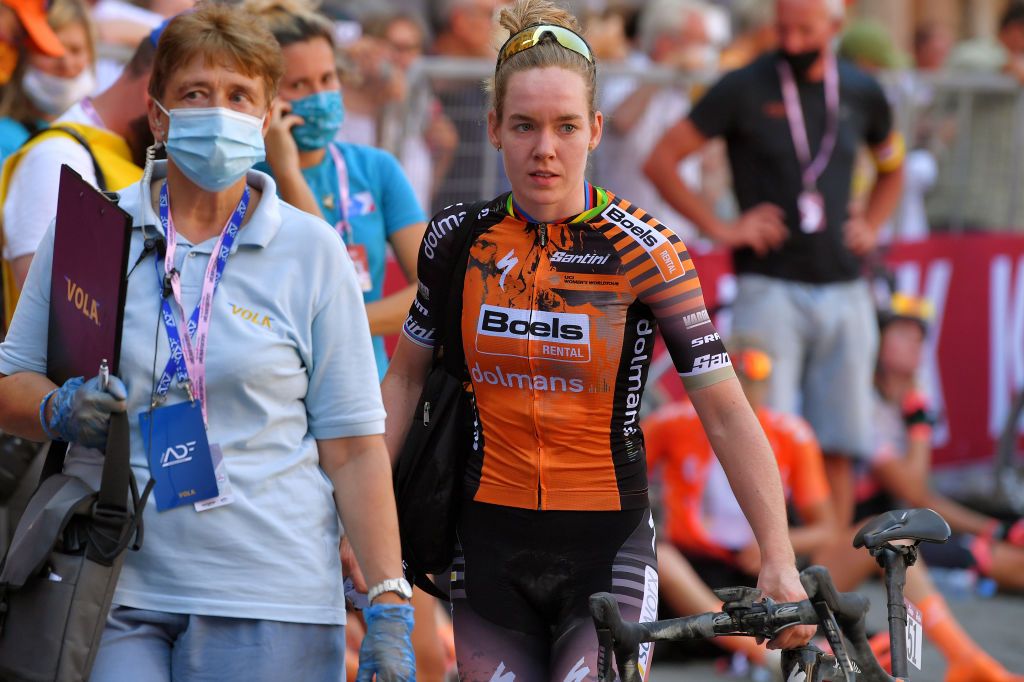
x=433, y=123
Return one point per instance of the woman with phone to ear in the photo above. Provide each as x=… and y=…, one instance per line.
x=362, y=191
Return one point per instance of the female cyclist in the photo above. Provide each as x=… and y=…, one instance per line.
x=564, y=285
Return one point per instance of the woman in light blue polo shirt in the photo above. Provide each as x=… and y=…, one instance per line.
x=361, y=190
x=245, y=342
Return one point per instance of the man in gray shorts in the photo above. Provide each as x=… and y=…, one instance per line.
x=793, y=121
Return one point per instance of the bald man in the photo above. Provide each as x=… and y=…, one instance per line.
x=793, y=121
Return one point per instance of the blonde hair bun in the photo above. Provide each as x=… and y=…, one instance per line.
x=525, y=13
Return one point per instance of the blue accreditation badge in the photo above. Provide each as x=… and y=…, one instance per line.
x=179, y=455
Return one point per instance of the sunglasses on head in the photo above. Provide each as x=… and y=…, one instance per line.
x=531, y=36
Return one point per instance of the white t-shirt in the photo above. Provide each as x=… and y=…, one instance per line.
x=31, y=203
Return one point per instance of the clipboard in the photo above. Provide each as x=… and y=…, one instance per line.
x=88, y=284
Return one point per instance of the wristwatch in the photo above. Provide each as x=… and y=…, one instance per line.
x=399, y=586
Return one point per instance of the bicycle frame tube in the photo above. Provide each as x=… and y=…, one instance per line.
x=895, y=580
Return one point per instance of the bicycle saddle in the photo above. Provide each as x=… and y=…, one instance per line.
x=921, y=525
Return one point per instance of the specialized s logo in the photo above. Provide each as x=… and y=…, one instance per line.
x=563, y=337
x=652, y=241
x=178, y=454
x=506, y=264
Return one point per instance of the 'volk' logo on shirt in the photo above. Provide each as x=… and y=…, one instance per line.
x=258, y=319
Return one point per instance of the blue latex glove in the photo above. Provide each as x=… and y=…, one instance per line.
x=81, y=410
x=387, y=647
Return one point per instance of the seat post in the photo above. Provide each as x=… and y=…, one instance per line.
x=894, y=561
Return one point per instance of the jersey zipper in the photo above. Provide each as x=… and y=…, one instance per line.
x=542, y=240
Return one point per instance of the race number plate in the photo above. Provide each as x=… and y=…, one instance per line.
x=914, y=635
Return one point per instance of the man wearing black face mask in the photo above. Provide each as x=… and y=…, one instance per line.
x=793, y=121
x=108, y=133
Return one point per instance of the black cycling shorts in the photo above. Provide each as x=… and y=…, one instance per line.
x=521, y=583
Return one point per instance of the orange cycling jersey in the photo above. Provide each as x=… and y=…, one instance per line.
x=558, y=328
x=676, y=444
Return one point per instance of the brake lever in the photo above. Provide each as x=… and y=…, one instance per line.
x=825, y=599
x=605, y=655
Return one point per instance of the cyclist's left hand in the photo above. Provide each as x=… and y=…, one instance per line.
x=781, y=582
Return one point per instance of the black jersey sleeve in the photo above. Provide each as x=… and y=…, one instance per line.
x=434, y=267
x=714, y=113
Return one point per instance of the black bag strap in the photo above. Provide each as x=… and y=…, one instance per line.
x=114, y=523
x=54, y=462
x=101, y=180
x=423, y=581
x=113, y=520
x=448, y=317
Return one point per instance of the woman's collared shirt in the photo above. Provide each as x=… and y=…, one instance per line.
x=289, y=362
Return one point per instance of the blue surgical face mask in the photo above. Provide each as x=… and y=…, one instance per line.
x=322, y=114
x=212, y=146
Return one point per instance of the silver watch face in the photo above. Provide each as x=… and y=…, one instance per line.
x=399, y=586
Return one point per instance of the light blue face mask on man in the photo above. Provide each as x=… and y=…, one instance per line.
x=322, y=114
x=214, y=147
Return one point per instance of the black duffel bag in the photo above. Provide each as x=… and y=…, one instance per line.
x=429, y=473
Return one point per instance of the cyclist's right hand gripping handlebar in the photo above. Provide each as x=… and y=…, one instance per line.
x=762, y=619
x=745, y=613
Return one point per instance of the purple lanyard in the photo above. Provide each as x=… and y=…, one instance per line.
x=188, y=352
x=343, y=225
x=812, y=170
x=89, y=110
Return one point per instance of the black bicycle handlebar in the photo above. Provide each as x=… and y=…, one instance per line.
x=746, y=612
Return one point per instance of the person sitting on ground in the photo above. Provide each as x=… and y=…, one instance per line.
x=897, y=476
x=707, y=541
